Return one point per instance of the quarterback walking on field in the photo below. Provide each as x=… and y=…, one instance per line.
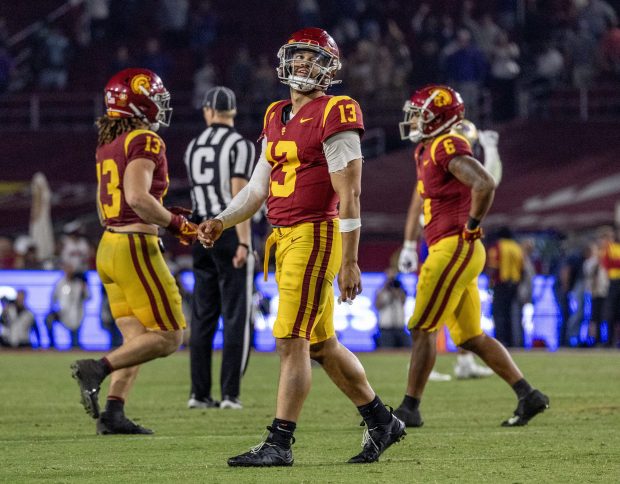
x=132, y=174
x=311, y=160
x=454, y=192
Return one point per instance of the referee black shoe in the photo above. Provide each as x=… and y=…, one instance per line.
x=528, y=407
x=411, y=418
x=265, y=454
x=89, y=374
x=376, y=440
x=117, y=423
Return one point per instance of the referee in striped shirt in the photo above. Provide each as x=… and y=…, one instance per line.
x=219, y=163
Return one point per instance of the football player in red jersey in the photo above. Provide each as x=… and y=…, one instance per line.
x=132, y=173
x=311, y=160
x=454, y=192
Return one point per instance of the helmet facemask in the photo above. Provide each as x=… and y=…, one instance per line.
x=321, y=68
x=428, y=123
x=161, y=101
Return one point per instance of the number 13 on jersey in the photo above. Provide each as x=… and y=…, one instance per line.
x=288, y=149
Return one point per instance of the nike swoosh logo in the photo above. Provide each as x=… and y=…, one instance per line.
x=295, y=238
x=304, y=120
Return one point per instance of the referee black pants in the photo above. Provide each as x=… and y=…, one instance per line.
x=220, y=289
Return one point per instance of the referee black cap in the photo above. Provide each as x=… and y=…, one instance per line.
x=220, y=98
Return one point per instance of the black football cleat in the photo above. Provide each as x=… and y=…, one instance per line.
x=117, y=423
x=376, y=440
x=411, y=418
x=265, y=454
x=529, y=406
x=89, y=376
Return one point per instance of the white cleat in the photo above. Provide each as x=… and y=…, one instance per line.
x=436, y=376
x=471, y=370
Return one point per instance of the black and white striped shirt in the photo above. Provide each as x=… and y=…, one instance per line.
x=211, y=160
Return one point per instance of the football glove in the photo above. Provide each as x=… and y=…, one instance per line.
x=408, y=258
x=182, y=229
x=471, y=235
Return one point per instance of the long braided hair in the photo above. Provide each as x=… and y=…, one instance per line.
x=111, y=128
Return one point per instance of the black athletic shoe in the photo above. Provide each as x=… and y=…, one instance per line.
x=89, y=375
x=378, y=439
x=531, y=405
x=411, y=418
x=265, y=454
x=117, y=423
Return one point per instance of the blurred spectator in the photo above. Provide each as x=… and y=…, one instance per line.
x=17, y=321
x=202, y=27
x=204, y=79
x=609, y=49
x=97, y=13
x=390, y=304
x=55, y=55
x=241, y=71
x=505, y=271
x=572, y=286
x=155, y=59
x=581, y=48
x=122, y=60
x=549, y=69
x=610, y=260
x=465, y=69
x=308, y=13
x=598, y=16
x=265, y=77
x=7, y=255
x=6, y=68
x=67, y=306
x=76, y=252
x=172, y=20
x=597, y=285
x=26, y=253
x=41, y=230
x=504, y=73
x=425, y=69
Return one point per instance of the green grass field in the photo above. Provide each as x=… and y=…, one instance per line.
x=45, y=436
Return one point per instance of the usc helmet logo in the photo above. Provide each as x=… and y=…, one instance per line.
x=442, y=98
x=141, y=81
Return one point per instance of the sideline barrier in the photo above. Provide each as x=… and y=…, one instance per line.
x=356, y=324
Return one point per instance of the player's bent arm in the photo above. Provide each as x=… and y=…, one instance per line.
x=137, y=185
x=470, y=172
x=412, y=224
x=250, y=198
x=347, y=184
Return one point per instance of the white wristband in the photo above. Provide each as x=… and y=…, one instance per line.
x=410, y=244
x=350, y=224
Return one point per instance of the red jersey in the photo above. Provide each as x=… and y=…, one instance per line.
x=112, y=161
x=300, y=189
x=446, y=199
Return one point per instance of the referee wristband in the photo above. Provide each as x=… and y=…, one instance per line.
x=350, y=224
x=472, y=223
x=247, y=247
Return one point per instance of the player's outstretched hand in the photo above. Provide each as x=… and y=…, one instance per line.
x=488, y=138
x=349, y=282
x=209, y=231
x=182, y=229
x=472, y=235
x=408, y=258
